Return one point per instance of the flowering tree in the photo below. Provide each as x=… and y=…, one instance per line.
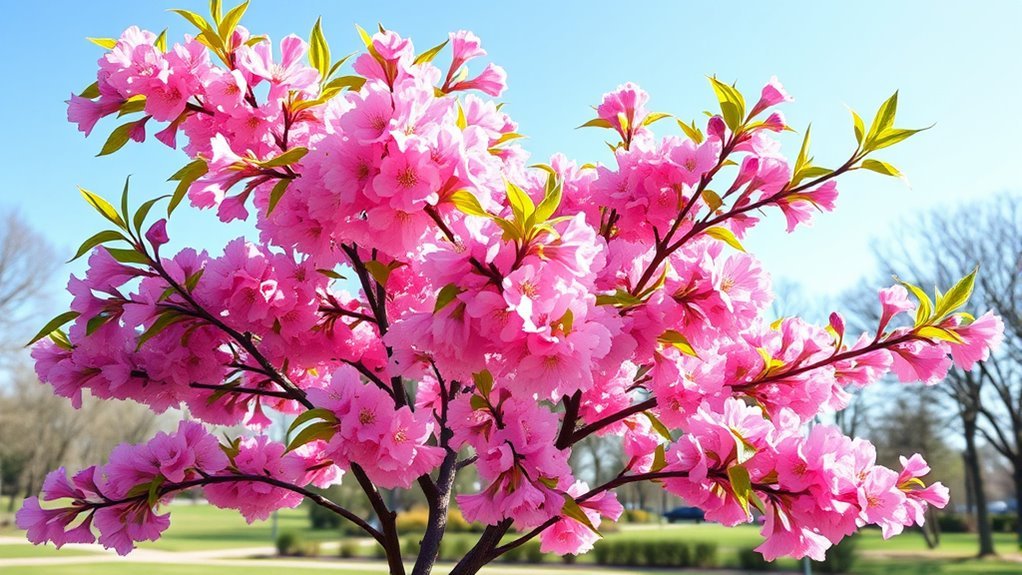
x=500, y=313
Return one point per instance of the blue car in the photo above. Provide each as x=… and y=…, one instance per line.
x=685, y=513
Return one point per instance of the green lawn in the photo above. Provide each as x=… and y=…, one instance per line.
x=17, y=551
x=201, y=527
x=162, y=569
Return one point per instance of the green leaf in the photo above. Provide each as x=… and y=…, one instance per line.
x=107, y=43
x=127, y=256
x=118, y=138
x=208, y=34
x=166, y=319
x=880, y=168
x=477, y=403
x=939, y=333
x=743, y=449
x=102, y=206
x=956, y=297
x=893, y=136
x=654, y=117
x=319, y=50
x=380, y=272
x=732, y=104
x=521, y=203
x=99, y=238
x=161, y=41
x=803, y=159
x=447, y=294
x=571, y=509
x=97, y=321
x=858, y=126
x=331, y=274
x=231, y=20
x=883, y=120
x=923, y=312
x=322, y=430
x=307, y=416
x=91, y=91
x=428, y=55
x=277, y=193
x=658, y=426
x=741, y=485
x=712, y=200
x=659, y=458
x=673, y=337
x=467, y=203
x=53, y=325
x=185, y=177
x=693, y=133
x=483, y=381
x=287, y=158
x=726, y=236
x=353, y=83
x=596, y=123
x=366, y=38
x=143, y=212
x=549, y=205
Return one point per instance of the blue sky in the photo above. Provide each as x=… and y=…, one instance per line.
x=955, y=64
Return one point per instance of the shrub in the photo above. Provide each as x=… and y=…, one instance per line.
x=602, y=552
x=410, y=546
x=287, y=542
x=840, y=558
x=349, y=549
x=415, y=519
x=704, y=555
x=290, y=544
x=322, y=518
x=637, y=516
x=532, y=552
x=751, y=560
x=454, y=548
x=456, y=523
x=1003, y=522
x=953, y=523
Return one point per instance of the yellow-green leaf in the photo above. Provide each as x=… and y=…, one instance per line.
x=428, y=55
x=99, y=238
x=307, y=416
x=117, y=139
x=521, y=204
x=880, y=168
x=467, y=203
x=726, y=236
x=231, y=20
x=53, y=325
x=675, y=338
x=319, y=50
x=447, y=294
x=597, y=123
x=939, y=333
x=957, y=296
x=483, y=381
x=277, y=193
x=102, y=206
x=107, y=43
x=287, y=158
x=320, y=430
x=658, y=426
x=571, y=509
x=654, y=117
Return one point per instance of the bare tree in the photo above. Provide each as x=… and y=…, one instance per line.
x=27, y=264
x=38, y=430
x=939, y=248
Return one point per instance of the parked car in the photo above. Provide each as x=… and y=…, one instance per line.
x=685, y=514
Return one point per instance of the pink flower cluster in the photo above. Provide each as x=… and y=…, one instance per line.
x=115, y=499
x=812, y=490
x=419, y=290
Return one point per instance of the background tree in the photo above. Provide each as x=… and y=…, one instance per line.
x=933, y=249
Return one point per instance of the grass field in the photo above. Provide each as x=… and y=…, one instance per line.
x=153, y=569
x=19, y=551
x=203, y=528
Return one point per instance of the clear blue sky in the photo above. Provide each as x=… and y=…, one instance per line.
x=955, y=63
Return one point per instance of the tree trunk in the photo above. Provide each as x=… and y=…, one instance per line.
x=973, y=469
x=429, y=547
x=1018, y=498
